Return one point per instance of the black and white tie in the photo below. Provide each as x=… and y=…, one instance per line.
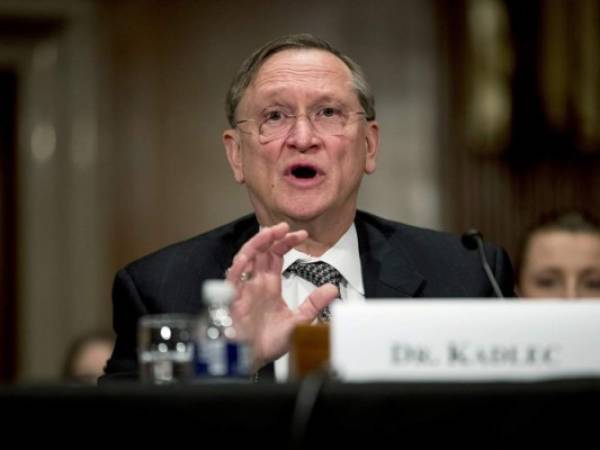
x=318, y=273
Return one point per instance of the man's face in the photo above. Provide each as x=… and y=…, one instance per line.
x=304, y=174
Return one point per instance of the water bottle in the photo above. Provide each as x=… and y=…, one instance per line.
x=219, y=352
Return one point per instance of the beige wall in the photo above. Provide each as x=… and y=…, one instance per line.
x=139, y=89
x=62, y=260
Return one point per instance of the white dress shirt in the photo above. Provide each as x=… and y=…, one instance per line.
x=345, y=257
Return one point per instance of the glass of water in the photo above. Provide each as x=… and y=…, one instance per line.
x=166, y=348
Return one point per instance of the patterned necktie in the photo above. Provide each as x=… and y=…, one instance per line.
x=318, y=273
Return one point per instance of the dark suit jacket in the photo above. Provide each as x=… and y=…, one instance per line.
x=397, y=260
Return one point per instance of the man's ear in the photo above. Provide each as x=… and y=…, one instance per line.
x=371, y=147
x=233, y=149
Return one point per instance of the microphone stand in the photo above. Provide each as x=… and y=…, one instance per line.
x=473, y=239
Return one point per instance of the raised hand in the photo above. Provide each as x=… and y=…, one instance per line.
x=260, y=314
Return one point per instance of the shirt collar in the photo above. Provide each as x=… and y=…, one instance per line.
x=344, y=256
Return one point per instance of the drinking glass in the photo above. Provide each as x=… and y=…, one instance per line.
x=166, y=348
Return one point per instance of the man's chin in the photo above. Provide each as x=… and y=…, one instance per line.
x=303, y=214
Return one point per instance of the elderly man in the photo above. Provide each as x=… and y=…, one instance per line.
x=303, y=134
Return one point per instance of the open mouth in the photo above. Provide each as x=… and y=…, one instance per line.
x=303, y=172
x=304, y=175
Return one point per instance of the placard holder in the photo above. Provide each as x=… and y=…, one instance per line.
x=465, y=340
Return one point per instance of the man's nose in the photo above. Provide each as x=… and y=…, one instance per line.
x=302, y=135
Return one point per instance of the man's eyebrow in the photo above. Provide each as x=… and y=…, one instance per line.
x=276, y=99
x=266, y=105
x=329, y=99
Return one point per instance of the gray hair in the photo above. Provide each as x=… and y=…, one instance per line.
x=254, y=62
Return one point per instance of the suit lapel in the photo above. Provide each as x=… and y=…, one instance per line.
x=387, y=269
x=241, y=231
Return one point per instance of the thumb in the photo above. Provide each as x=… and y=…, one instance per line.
x=316, y=301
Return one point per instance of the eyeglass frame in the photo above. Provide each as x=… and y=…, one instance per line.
x=310, y=116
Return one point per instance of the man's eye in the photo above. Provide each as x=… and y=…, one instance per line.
x=274, y=116
x=329, y=112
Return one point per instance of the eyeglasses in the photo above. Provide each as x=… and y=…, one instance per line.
x=325, y=121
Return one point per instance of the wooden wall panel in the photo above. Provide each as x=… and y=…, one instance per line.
x=503, y=189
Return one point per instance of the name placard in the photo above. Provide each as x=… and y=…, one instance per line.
x=465, y=340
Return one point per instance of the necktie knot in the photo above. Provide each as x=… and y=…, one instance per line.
x=317, y=273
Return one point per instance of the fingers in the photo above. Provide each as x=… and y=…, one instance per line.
x=261, y=262
x=234, y=273
x=281, y=247
x=264, y=239
x=316, y=301
x=289, y=241
x=276, y=240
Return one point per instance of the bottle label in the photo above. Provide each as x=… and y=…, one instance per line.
x=238, y=359
x=212, y=358
x=221, y=358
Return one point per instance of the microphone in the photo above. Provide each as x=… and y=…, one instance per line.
x=473, y=239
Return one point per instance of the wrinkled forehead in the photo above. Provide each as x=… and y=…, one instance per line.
x=302, y=73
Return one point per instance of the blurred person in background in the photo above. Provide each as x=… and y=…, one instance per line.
x=560, y=257
x=87, y=357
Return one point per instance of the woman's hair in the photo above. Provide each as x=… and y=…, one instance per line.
x=571, y=221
